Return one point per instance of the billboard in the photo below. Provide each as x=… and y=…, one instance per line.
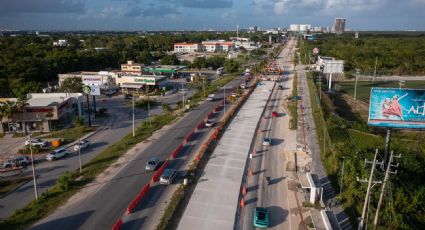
x=333, y=66
x=397, y=108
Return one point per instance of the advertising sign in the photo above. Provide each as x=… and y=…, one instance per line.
x=397, y=108
x=93, y=90
x=92, y=80
x=333, y=66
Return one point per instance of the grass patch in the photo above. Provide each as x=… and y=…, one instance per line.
x=71, y=134
x=9, y=185
x=66, y=186
x=363, y=87
x=292, y=105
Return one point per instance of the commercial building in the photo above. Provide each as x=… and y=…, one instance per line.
x=44, y=112
x=301, y=28
x=61, y=43
x=339, y=26
x=187, y=47
x=217, y=46
x=104, y=79
x=132, y=67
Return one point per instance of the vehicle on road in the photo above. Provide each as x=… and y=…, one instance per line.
x=152, y=164
x=275, y=114
x=82, y=145
x=168, y=176
x=211, y=97
x=209, y=123
x=37, y=142
x=261, y=217
x=242, y=86
x=267, y=141
x=183, y=89
x=18, y=161
x=280, y=87
x=57, y=154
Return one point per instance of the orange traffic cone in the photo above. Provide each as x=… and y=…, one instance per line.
x=243, y=202
x=244, y=190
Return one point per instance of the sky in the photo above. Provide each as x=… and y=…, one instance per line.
x=208, y=14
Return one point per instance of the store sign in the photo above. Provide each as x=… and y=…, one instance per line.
x=92, y=80
x=148, y=81
x=397, y=108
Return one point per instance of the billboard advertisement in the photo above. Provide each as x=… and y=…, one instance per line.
x=397, y=108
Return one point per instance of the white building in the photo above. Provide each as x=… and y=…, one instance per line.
x=61, y=43
x=217, y=46
x=187, y=47
x=299, y=27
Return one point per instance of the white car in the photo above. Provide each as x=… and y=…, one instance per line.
x=82, y=145
x=18, y=161
x=209, y=123
x=57, y=154
x=36, y=142
x=211, y=97
x=267, y=141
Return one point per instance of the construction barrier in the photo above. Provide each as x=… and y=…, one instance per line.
x=137, y=199
x=117, y=225
x=201, y=125
x=177, y=151
x=158, y=173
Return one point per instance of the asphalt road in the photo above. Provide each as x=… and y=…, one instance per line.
x=103, y=208
x=119, y=124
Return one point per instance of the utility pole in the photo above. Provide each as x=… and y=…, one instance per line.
x=33, y=169
x=369, y=187
x=355, y=85
x=134, y=130
x=381, y=196
x=183, y=96
x=149, y=106
x=203, y=84
x=79, y=155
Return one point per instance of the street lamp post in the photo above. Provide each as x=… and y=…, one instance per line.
x=355, y=85
x=134, y=130
x=79, y=155
x=33, y=169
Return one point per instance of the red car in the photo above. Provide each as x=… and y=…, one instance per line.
x=275, y=114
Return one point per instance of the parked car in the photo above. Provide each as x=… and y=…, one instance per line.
x=211, y=97
x=152, y=164
x=209, y=123
x=57, y=154
x=275, y=114
x=280, y=87
x=242, y=86
x=261, y=217
x=82, y=145
x=267, y=141
x=37, y=142
x=18, y=161
x=168, y=176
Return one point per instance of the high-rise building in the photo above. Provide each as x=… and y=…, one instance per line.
x=339, y=25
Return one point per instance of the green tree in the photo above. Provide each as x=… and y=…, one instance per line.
x=170, y=60
x=145, y=57
x=7, y=109
x=71, y=85
x=231, y=66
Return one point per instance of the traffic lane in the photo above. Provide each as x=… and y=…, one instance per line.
x=109, y=203
x=48, y=172
x=150, y=204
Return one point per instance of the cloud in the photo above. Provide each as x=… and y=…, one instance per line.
x=41, y=6
x=203, y=4
x=152, y=11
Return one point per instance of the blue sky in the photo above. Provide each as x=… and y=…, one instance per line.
x=208, y=14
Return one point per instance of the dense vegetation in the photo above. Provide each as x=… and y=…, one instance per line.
x=395, y=54
x=29, y=62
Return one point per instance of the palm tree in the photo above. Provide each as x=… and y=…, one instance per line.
x=6, y=111
x=20, y=106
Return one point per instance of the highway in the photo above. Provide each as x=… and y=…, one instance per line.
x=102, y=207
